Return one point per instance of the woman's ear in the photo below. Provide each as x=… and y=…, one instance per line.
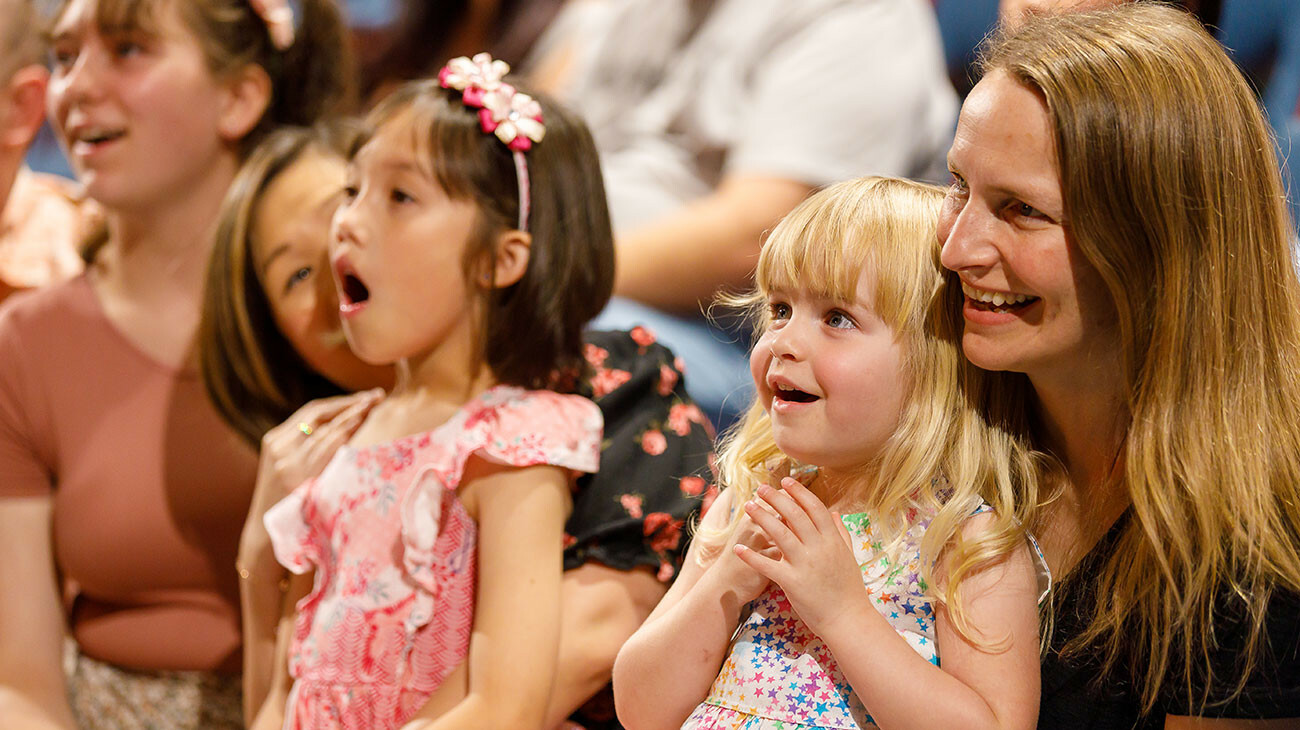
x=512, y=252
x=247, y=95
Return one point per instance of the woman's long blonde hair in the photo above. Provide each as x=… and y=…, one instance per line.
x=943, y=457
x=1173, y=193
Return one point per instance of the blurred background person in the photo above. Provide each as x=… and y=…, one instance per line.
x=715, y=118
x=41, y=217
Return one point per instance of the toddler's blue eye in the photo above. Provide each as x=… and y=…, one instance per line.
x=840, y=320
x=778, y=310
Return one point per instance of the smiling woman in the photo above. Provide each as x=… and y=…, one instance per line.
x=1114, y=168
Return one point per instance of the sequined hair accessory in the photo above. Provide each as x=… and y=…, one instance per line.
x=278, y=16
x=514, y=117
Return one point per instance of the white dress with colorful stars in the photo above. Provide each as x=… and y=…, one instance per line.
x=780, y=676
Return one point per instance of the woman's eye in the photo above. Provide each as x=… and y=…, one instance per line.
x=126, y=49
x=1025, y=210
x=401, y=196
x=957, y=185
x=350, y=192
x=840, y=320
x=298, y=276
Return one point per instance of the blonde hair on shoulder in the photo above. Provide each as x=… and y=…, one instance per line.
x=943, y=458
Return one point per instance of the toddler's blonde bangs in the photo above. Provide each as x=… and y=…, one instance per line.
x=870, y=224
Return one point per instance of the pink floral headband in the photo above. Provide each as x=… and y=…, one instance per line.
x=514, y=117
x=278, y=16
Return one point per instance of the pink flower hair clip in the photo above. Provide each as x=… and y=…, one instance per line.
x=514, y=117
x=278, y=17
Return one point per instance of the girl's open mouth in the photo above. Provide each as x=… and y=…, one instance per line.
x=792, y=395
x=353, y=292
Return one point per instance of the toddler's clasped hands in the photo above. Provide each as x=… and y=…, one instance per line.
x=814, y=562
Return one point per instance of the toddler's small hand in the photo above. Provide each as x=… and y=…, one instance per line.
x=747, y=583
x=816, y=567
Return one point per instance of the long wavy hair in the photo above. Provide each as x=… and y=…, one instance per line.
x=253, y=374
x=943, y=457
x=1170, y=182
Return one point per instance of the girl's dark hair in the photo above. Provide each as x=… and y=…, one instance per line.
x=253, y=375
x=532, y=330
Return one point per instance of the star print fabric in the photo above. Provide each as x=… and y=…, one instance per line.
x=780, y=676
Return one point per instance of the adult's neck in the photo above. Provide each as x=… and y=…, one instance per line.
x=1084, y=422
x=160, y=251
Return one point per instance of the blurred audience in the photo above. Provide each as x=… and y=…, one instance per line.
x=40, y=215
x=400, y=40
x=714, y=119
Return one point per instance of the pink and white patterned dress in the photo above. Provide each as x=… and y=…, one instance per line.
x=394, y=553
x=780, y=676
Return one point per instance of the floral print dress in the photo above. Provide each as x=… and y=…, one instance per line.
x=394, y=553
x=778, y=675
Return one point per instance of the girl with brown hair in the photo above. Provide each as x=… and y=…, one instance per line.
x=271, y=340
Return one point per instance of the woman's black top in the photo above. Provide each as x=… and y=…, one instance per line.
x=1077, y=696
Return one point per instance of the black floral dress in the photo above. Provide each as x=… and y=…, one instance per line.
x=655, y=470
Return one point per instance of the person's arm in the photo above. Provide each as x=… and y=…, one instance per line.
x=270, y=712
x=709, y=245
x=289, y=456
x=665, y=670
x=32, y=688
x=600, y=607
x=991, y=687
x=515, y=640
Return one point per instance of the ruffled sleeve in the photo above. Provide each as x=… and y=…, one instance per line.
x=291, y=537
x=527, y=428
x=507, y=426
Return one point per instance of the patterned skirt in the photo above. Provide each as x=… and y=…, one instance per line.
x=107, y=697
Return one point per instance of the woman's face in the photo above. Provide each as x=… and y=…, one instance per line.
x=138, y=112
x=1033, y=303
x=289, y=244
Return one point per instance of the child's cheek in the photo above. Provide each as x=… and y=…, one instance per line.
x=759, y=360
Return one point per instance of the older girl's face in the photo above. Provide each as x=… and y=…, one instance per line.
x=290, y=250
x=1033, y=303
x=138, y=112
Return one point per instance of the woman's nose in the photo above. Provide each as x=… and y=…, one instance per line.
x=966, y=231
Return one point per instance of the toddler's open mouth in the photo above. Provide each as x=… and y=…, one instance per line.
x=792, y=395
